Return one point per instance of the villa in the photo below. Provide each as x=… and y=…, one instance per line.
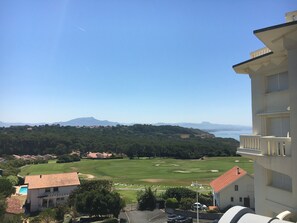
x=49, y=190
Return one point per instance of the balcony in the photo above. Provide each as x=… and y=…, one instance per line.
x=257, y=145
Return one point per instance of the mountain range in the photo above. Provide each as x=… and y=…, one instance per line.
x=91, y=121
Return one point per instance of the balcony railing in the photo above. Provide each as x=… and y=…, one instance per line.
x=264, y=145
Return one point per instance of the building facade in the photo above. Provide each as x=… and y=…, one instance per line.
x=273, y=144
x=235, y=187
x=50, y=190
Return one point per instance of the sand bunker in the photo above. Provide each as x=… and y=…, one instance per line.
x=152, y=180
x=182, y=171
x=88, y=176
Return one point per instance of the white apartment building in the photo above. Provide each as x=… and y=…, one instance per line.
x=273, y=144
x=50, y=190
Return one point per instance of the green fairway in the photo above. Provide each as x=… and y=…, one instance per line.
x=165, y=172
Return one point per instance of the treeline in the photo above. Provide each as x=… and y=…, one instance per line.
x=134, y=141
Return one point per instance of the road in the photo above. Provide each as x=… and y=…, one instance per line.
x=155, y=216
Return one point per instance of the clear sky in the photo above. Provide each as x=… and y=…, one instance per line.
x=142, y=61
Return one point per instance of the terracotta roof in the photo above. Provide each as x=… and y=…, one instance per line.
x=227, y=178
x=52, y=180
x=14, y=206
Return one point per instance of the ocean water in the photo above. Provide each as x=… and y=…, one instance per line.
x=232, y=134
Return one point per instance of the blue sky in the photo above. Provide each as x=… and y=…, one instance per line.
x=142, y=61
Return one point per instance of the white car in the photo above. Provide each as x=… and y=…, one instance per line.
x=199, y=205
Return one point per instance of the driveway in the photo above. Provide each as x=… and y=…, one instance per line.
x=155, y=216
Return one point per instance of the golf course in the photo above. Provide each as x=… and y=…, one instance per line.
x=165, y=172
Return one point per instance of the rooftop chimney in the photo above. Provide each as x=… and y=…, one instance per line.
x=238, y=171
x=40, y=176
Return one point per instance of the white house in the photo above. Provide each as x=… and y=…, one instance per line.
x=273, y=144
x=50, y=190
x=235, y=187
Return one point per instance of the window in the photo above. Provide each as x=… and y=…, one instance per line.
x=277, y=82
x=240, y=199
x=44, y=203
x=47, y=190
x=232, y=199
x=236, y=187
x=56, y=189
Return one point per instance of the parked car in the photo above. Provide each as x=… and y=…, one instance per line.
x=200, y=206
x=183, y=219
x=171, y=218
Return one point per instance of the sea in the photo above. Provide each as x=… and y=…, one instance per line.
x=232, y=133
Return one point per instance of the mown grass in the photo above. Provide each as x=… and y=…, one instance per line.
x=158, y=172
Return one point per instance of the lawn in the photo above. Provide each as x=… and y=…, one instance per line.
x=158, y=172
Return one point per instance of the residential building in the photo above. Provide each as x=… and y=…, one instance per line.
x=273, y=144
x=235, y=187
x=50, y=190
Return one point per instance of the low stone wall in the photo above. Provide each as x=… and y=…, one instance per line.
x=193, y=214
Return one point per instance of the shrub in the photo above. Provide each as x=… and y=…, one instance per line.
x=171, y=203
x=146, y=200
x=186, y=203
x=179, y=193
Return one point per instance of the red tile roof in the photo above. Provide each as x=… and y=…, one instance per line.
x=14, y=206
x=52, y=180
x=227, y=178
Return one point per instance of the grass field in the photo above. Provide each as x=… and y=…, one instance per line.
x=161, y=172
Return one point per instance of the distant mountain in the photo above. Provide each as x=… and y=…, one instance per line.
x=210, y=127
x=87, y=121
x=91, y=121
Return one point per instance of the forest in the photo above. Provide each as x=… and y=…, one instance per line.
x=133, y=141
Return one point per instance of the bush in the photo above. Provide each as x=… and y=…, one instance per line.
x=171, y=203
x=186, y=203
x=14, y=180
x=206, y=199
x=146, y=200
x=179, y=193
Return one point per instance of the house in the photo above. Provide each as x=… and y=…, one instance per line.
x=103, y=155
x=273, y=144
x=49, y=190
x=235, y=187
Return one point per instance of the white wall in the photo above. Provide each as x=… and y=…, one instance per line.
x=36, y=202
x=245, y=189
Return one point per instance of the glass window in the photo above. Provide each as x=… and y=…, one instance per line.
x=47, y=190
x=236, y=187
x=56, y=189
x=240, y=199
x=277, y=82
x=232, y=199
x=44, y=203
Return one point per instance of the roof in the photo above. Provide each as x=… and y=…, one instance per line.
x=227, y=178
x=52, y=180
x=14, y=205
x=278, y=39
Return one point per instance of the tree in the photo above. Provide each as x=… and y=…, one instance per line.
x=186, y=203
x=179, y=193
x=146, y=200
x=6, y=187
x=14, y=180
x=2, y=206
x=96, y=198
x=171, y=203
